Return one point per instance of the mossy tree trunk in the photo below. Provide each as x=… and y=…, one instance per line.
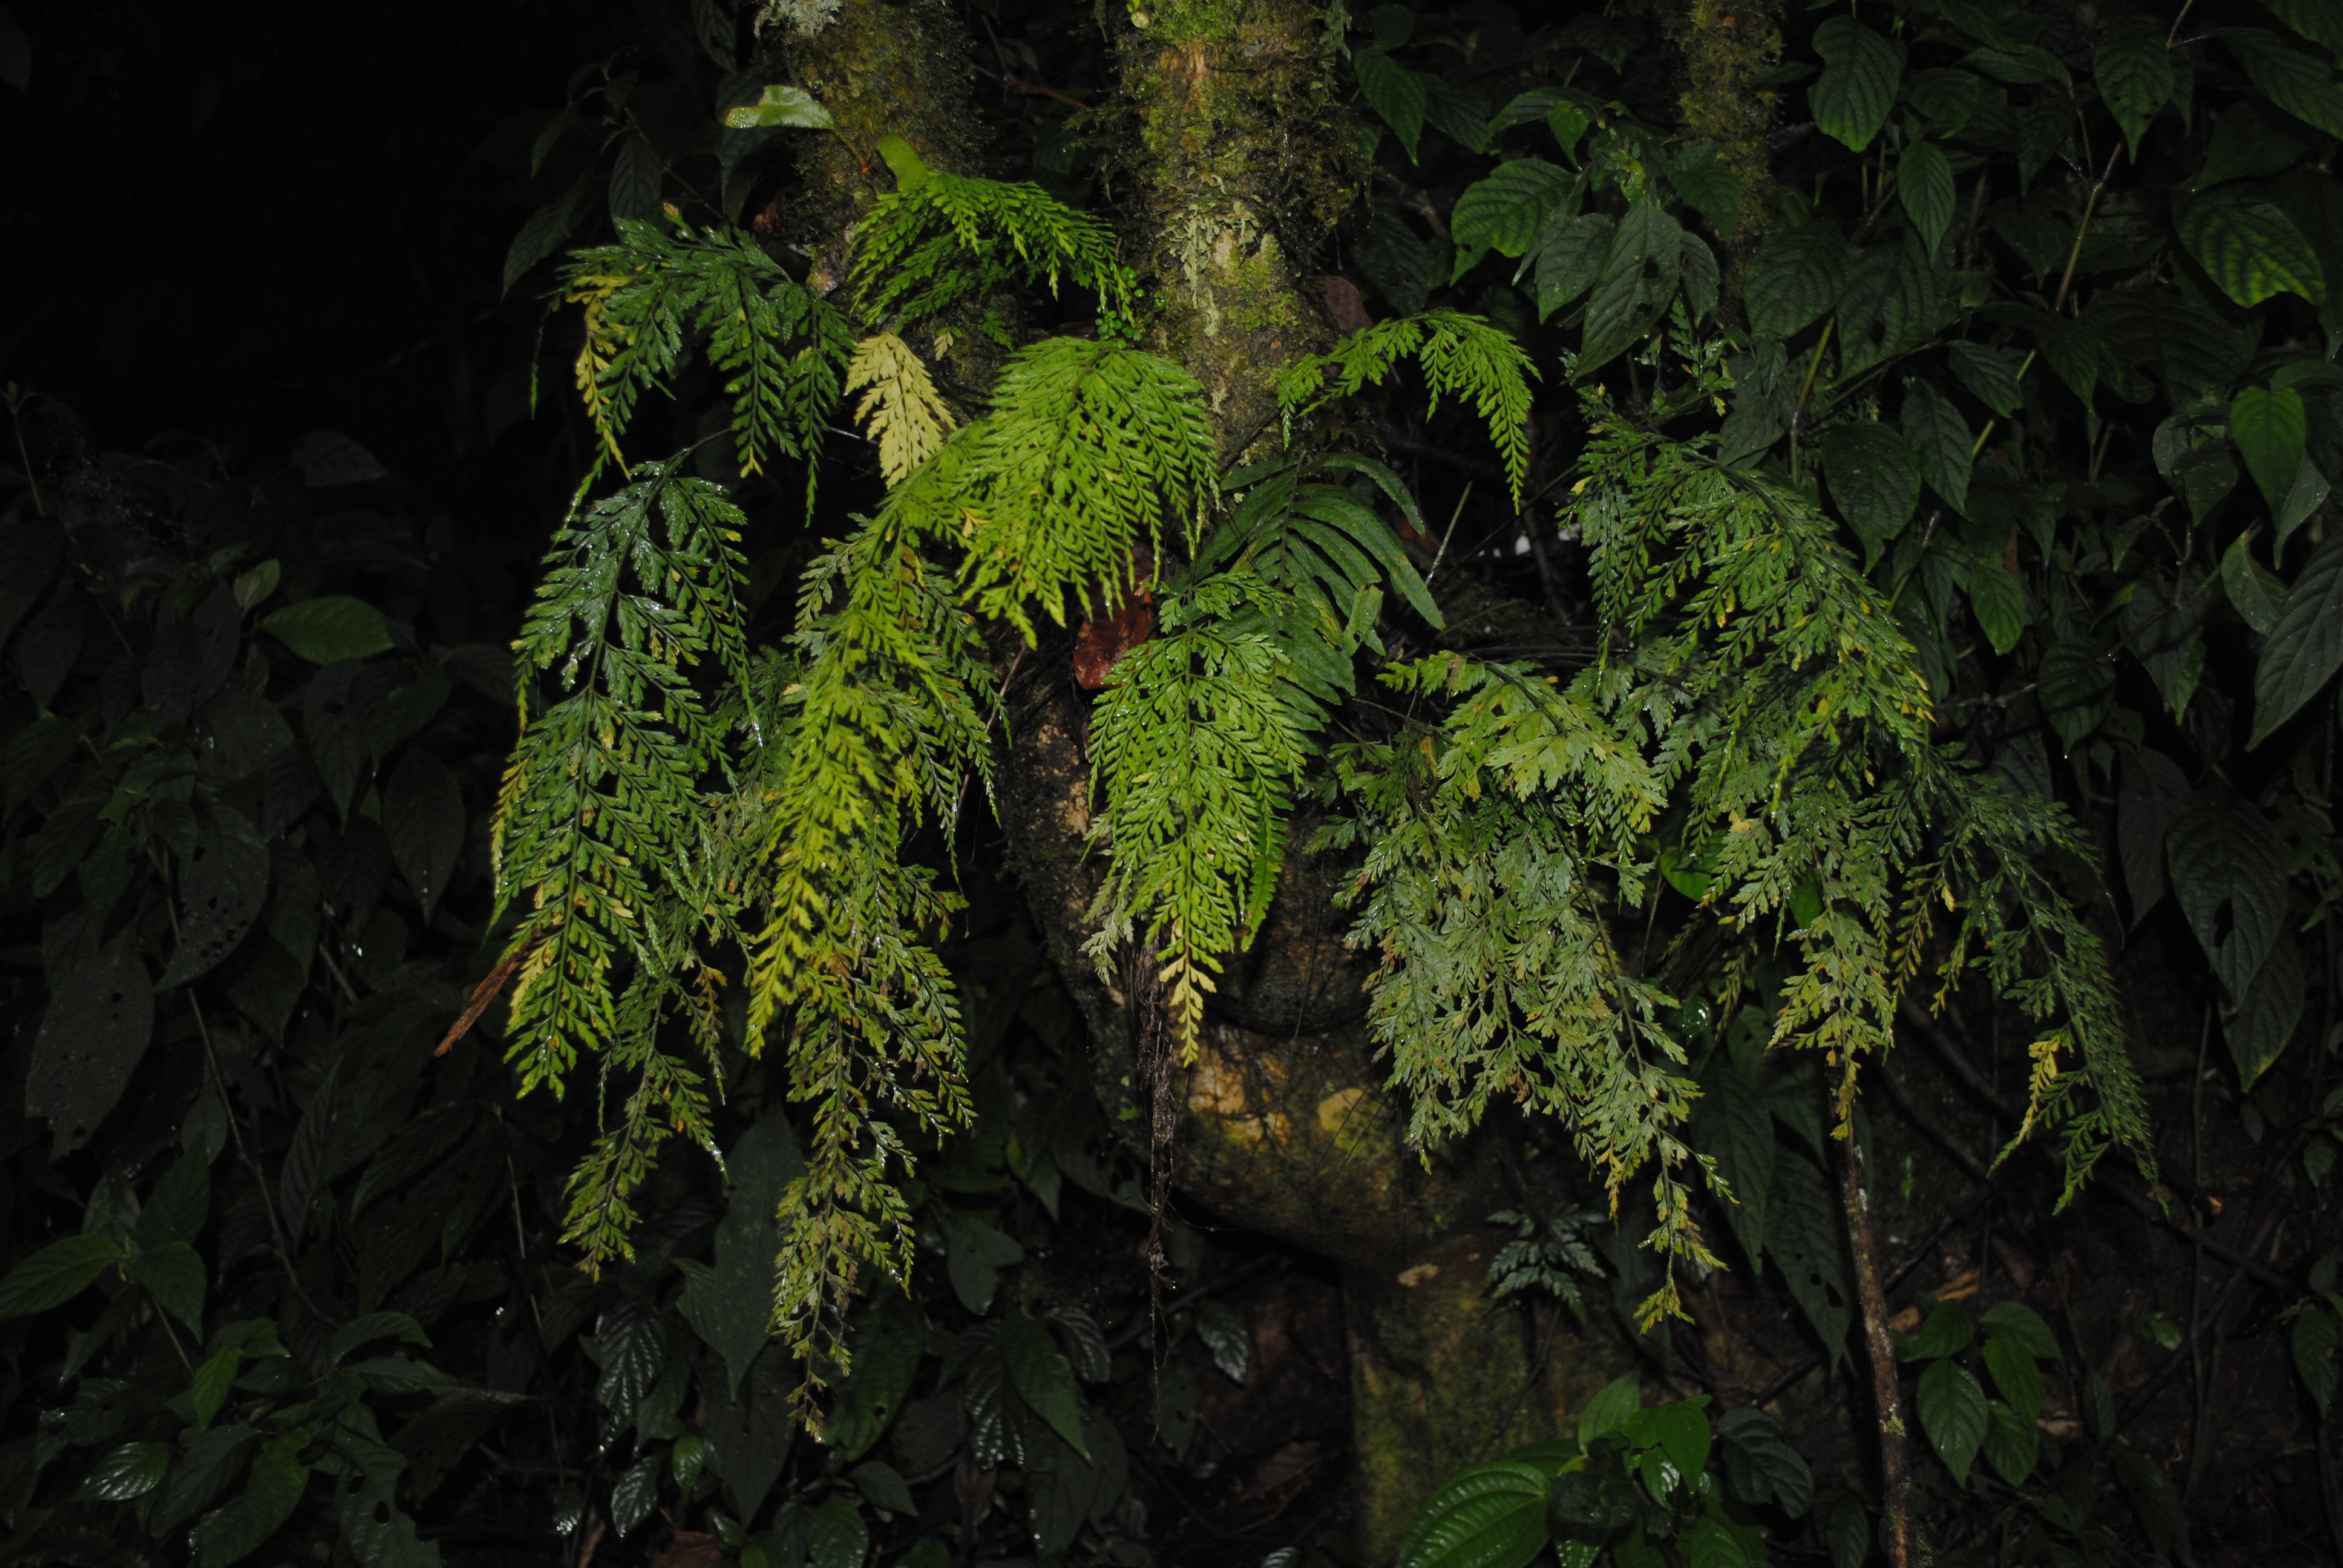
x=1232, y=163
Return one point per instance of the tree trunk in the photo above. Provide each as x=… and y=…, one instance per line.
x=1234, y=160
x=1285, y=1128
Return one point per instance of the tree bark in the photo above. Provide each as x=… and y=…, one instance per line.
x=1232, y=163
x=1905, y=1549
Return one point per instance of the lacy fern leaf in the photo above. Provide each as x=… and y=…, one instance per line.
x=900, y=411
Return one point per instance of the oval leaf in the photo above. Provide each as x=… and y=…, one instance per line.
x=1952, y=1414
x=336, y=627
x=1857, y=86
x=2306, y=647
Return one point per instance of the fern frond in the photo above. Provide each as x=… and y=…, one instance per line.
x=900, y=411
x=942, y=239
x=781, y=347
x=1461, y=357
x=1195, y=753
x=883, y=721
x=603, y=819
x=1090, y=450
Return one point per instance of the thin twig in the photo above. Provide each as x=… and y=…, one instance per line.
x=243, y=1157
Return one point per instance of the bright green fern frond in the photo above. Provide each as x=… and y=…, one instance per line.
x=942, y=239
x=1195, y=753
x=1461, y=357
x=881, y=723
x=1091, y=449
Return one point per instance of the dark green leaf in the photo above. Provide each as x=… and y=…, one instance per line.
x=2252, y=251
x=1923, y=183
x=2292, y=78
x=1506, y=212
x=1608, y=1411
x=748, y=1433
x=1394, y=92
x=2012, y=1445
x=835, y=1537
x=2134, y=71
x=2153, y=792
x=1762, y=1468
x=51, y=642
x=56, y=1274
x=30, y=550
x=327, y=459
x=634, y=179
x=1940, y=438
x=729, y=1305
x=91, y=1040
x=2259, y=1022
x=2313, y=1341
x=885, y=1346
x=2078, y=684
x=370, y=1327
x=2022, y=1326
x=1041, y=1377
x=975, y=1255
x=1638, y=280
x=328, y=629
x=1857, y=86
x=2228, y=871
x=542, y=234
x=1947, y=1331
x=1874, y=478
x=174, y=1274
x=2270, y=427
x=2258, y=593
x=1848, y=1532
x=220, y=897
x=1952, y=1413
x=1487, y=1516
x=1806, y=1238
x=2152, y=1499
x=423, y=815
x=1708, y=185
x=202, y=1474
x=1573, y=260
x=633, y=1342
x=131, y=1471
x=2016, y=1375
x=1988, y=376
x=2306, y=647
x=238, y=1530
x=713, y=23
x=1795, y=278
x=635, y=1494
x=1731, y=1122
x=1225, y=1334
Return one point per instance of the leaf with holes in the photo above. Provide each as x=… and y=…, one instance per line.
x=91, y=1040
x=1857, y=86
x=220, y=898
x=2306, y=647
x=2228, y=870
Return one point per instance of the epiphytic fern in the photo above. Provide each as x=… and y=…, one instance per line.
x=1197, y=751
x=780, y=347
x=941, y=238
x=1461, y=357
x=1754, y=681
x=900, y=411
x=604, y=816
x=1090, y=450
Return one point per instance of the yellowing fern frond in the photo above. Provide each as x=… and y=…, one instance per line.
x=901, y=410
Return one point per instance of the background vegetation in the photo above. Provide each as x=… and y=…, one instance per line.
x=2009, y=326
